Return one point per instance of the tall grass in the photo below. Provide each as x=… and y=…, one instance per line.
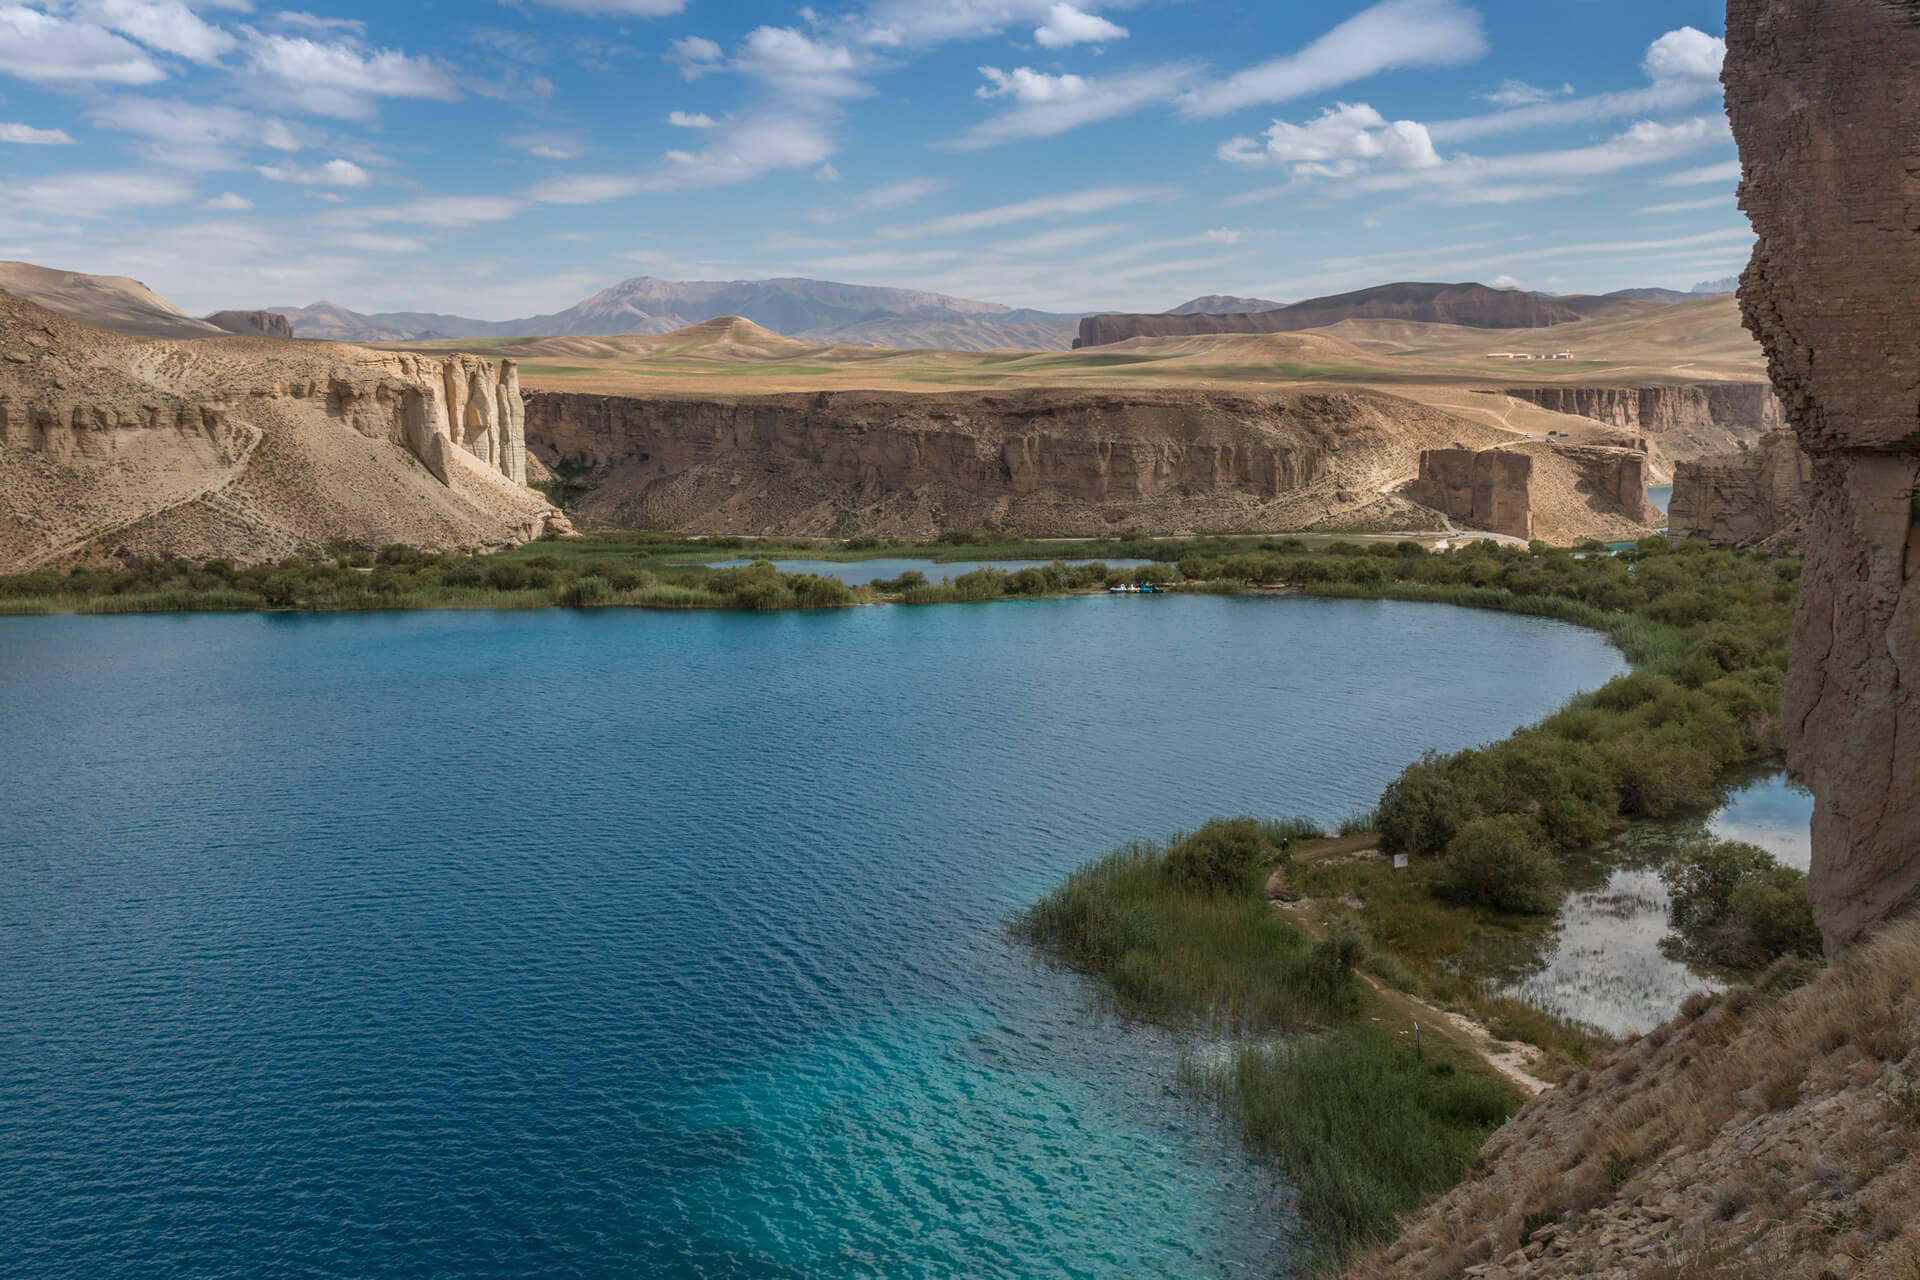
x=1366, y=1126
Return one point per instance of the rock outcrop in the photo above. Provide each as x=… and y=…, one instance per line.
x=111, y=445
x=1067, y=462
x=1618, y=475
x=253, y=324
x=1473, y=305
x=1489, y=488
x=1744, y=408
x=1754, y=497
x=1824, y=96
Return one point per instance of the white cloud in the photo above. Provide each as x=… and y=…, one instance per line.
x=71, y=195
x=340, y=78
x=619, y=8
x=1049, y=105
x=187, y=135
x=1024, y=84
x=48, y=50
x=1518, y=93
x=1067, y=25
x=1090, y=200
x=334, y=173
x=797, y=63
x=1728, y=172
x=312, y=22
x=228, y=202
x=1227, y=235
x=1682, y=68
x=884, y=260
x=1504, y=281
x=1389, y=36
x=690, y=120
x=898, y=195
x=1686, y=54
x=695, y=56
x=166, y=25
x=783, y=136
x=548, y=146
x=440, y=211
x=1341, y=140
x=373, y=242
x=826, y=173
x=584, y=188
x=1060, y=239
x=1689, y=206
x=27, y=136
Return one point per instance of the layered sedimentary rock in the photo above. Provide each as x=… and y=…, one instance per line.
x=1745, y=407
x=253, y=324
x=1619, y=476
x=1490, y=488
x=110, y=445
x=1473, y=305
x=1759, y=495
x=1039, y=461
x=1824, y=96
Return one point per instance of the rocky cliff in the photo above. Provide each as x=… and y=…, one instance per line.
x=1824, y=96
x=1066, y=462
x=1473, y=305
x=1489, y=488
x=253, y=324
x=249, y=450
x=1670, y=414
x=1756, y=496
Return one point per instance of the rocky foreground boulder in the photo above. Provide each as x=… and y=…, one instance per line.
x=1824, y=96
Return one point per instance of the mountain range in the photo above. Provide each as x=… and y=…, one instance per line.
x=815, y=310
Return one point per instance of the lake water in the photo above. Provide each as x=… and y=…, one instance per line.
x=597, y=944
x=858, y=573
x=1606, y=966
x=1660, y=495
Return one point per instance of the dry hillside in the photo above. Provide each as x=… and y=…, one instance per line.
x=1768, y=1135
x=247, y=449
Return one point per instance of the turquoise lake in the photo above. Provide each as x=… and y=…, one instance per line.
x=597, y=944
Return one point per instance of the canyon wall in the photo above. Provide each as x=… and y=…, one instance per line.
x=117, y=446
x=1745, y=407
x=1824, y=96
x=253, y=324
x=1489, y=488
x=1759, y=495
x=1470, y=304
x=1069, y=462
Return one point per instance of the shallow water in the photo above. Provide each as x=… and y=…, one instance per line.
x=594, y=944
x=1606, y=967
x=858, y=573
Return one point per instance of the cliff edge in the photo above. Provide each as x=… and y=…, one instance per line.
x=249, y=449
x=1824, y=96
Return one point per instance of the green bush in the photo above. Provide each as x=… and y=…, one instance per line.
x=1735, y=905
x=1218, y=856
x=1500, y=863
x=583, y=593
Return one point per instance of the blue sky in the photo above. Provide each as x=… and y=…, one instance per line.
x=498, y=158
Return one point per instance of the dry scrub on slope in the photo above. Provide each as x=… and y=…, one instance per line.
x=1764, y=1134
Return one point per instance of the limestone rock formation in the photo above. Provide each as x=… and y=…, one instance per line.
x=1683, y=420
x=1619, y=475
x=1757, y=496
x=1824, y=96
x=1473, y=305
x=112, y=445
x=253, y=324
x=1068, y=462
x=1490, y=488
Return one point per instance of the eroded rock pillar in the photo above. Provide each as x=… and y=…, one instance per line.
x=1824, y=96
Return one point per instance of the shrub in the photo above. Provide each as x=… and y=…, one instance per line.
x=1503, y=863
x=583, y=593
x=1422, y=809
x=1734, y=905
x=1218, y=856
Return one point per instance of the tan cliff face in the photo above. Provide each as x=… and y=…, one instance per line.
x=1490, y=488
x=1752, y=498
x=1824, y=96
x=248, y=449
x=1680, y=420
